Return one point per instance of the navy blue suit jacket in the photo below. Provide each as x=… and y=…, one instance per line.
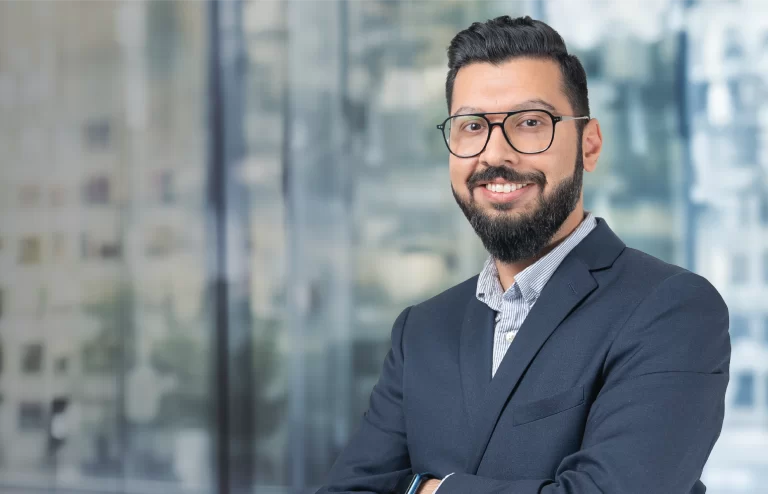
x=614, y=384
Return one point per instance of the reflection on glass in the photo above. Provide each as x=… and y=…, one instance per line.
x=745, y=390
x=32, y=358
x=31, y=416
x=105, y=379
x=352, y=197
x=339, y=216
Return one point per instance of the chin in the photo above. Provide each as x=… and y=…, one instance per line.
x=507, y=208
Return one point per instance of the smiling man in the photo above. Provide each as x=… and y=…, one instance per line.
x=571, y=363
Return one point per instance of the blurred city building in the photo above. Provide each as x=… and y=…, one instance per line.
x=728, y=121
x=234, y=200
x=103, y=145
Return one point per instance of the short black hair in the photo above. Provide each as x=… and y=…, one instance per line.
x=504, y=38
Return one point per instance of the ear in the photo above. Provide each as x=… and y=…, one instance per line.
x=591, y=144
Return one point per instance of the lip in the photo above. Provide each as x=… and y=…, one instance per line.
x=504, y=197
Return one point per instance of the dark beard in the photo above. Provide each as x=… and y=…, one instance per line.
x=510, y=239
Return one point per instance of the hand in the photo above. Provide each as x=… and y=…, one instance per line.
x=429, y=486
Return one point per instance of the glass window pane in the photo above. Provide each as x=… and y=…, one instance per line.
x=31, y=416
x=336, y=214
x=32, y=358
x=765, y=330
x=341, y=253
x=765, y=265
x=745, y=390
x=338, y=203
x=29, y=250
x=739, y=327
x=62, y=365
x=107, y=344
x=739, y=269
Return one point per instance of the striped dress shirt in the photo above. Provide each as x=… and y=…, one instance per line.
x=512, y=306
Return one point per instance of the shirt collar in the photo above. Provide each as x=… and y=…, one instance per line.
x=531, y=281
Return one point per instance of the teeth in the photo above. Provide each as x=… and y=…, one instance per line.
x=506, y=188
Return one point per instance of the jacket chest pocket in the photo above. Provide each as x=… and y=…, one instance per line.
x=545, y=407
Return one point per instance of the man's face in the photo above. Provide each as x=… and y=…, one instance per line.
x=518, y=224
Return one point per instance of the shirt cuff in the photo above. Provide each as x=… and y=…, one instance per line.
x=441, y=482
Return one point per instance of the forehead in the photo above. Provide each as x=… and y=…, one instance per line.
x=488, y=88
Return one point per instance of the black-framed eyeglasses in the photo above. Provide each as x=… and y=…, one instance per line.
x=527, y=131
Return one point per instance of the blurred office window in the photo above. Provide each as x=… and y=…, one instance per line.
x=61, y=365
x=765, y=330
x=29, y=250
x=58, y=196
x=352, y=220
x=739, y=327
x=97, y=133
x=745, y=390
x=96, y=190
x=104, y=103
x=29, y=195
x=213, y=212
x=31, y=416
x=765, y=268
x=740, y=269
x=58, y=246
x=32, y=358
x=765, y=391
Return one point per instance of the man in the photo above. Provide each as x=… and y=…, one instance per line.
x=572, y=364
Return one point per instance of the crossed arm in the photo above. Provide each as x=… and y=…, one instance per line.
x=650, y=429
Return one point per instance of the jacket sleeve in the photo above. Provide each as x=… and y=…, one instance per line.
x=377, y=456
x=660, y=410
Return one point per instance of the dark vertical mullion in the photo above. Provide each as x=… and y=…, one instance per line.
x=217, y=205
x=230, y=203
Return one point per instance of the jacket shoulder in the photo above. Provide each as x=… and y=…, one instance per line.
x=641, y=268
x=644, y=275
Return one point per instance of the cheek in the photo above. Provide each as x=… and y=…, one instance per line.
x=563, y=157
x=459, y=171
x=556, y=164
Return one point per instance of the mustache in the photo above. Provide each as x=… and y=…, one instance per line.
x=508, y=174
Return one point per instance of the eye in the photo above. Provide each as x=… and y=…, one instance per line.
x=473, y=126
x=531, y=122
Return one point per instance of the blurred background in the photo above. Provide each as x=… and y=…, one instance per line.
x=212, y=212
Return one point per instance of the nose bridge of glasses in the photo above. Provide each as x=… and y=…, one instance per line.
x=502, y=133
x=498, y=142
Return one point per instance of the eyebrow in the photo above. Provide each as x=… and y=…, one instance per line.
x=530, y=104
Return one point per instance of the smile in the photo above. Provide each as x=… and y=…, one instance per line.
x=505, y=187
x=504, y=192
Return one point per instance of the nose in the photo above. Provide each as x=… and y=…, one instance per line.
x=498, y=151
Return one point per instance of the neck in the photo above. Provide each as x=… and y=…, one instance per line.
x=508, y=271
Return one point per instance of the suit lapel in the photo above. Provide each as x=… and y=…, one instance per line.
x=569, y=285
x=475, y=356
